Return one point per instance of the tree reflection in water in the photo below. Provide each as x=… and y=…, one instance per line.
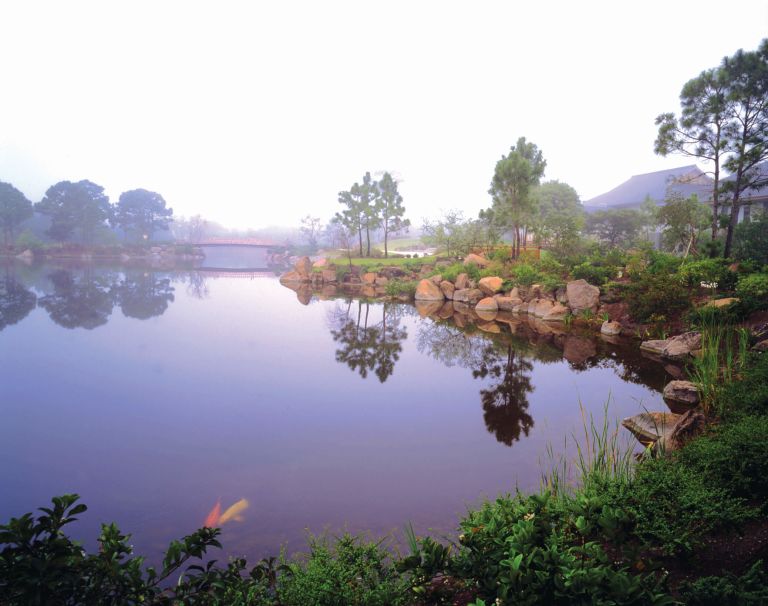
x=15, y=301
x=85, y=299
x=367, y=347
x=144, y=295
x=82, y=302
x=505, y=403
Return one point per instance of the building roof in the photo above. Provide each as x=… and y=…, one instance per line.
x=760, y=192
x=683, y=181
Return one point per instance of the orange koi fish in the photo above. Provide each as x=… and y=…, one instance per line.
x=234, y=511
x=212, y=520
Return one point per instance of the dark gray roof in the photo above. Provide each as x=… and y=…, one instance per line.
x=761, y=192
x=684, y=181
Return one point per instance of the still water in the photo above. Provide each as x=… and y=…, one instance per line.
x=156, y=394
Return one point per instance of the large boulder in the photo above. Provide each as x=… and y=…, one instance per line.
x=490, y=285
x=610, y=328
x=650, y=427
x=683, y=392
x=369, y=278
x=681, y=346
x=448, y=289
x=468, y=295
x=437, y=278
x=507, y=302
x=557, y=313
x=654, y=346
x=474, y=259
x=427, y=290
x=329, y=276
x=718, y=303
x=462, y=281
x=303, y=267
x=542, y=307
x=487, y=304
x=293, y=277
x=582, y=295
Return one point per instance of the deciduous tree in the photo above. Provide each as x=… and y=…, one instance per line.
x=82, y=206
x=142, y=212
x=14, y=210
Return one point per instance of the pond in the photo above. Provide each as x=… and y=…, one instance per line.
x=156, y=395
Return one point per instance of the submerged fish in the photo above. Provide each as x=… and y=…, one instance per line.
x=212, y=520
x=233, y=512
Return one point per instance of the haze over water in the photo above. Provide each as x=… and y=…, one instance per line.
x=155, y=394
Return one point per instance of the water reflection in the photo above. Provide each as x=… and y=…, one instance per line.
x=368, y=345
x=505, y=403
x=15, y=301
x=83, y=301
x=144, y=295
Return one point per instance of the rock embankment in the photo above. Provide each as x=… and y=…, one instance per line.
x=489, y=294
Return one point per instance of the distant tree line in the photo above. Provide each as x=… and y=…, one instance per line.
x=79, y=210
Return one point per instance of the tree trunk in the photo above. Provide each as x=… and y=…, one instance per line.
x=368, y=240
x=386, y=234
x=360, y=235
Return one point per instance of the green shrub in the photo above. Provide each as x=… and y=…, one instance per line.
x=750, y=241
x=663, y=263
x=749, y=589
x=735, y=457
x=397, y=287
x=494, y=269
x=708, y=271
x=451, y=272
x=748, y=396
x=593, y=274
x=348, y=572
x=472, y=270
x=525, y=274
x=676, y=505
x=656, y=294
x=753, y=287
x=502, y=254
x=544, y=550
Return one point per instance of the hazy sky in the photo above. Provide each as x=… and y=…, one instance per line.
x=257, y=113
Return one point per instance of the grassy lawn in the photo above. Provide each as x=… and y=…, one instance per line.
x=391, y=261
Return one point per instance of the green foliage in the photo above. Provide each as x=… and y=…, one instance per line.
x=683, y=220
x=14, y=210
x=615, y=227
x=651, y=293
x=525, y=274
x=81, y=207
x=593, y=274
x=545, y=550
x=451, y=272
x=748, y=396
x=142, y=212
x=749, y=589
x=348, y=572
x=515, y=176
x=751, y=240
x=734, y=457
x=397, y=287
x=753, y=290
x=676, y=506
x=473, y=271
x=708, y=271
x=40, y=565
